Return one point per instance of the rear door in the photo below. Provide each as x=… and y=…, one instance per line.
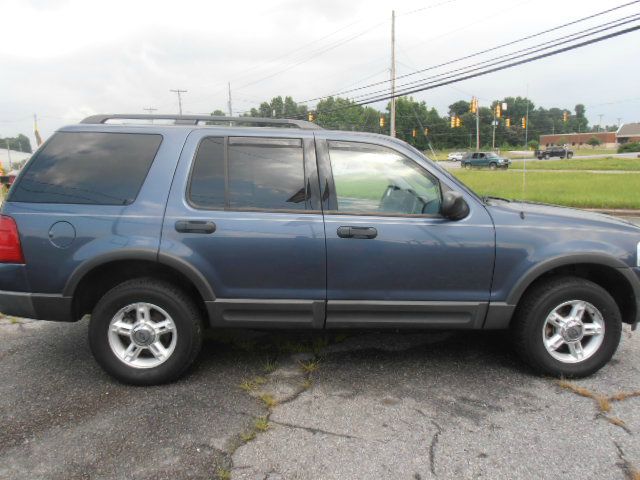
x=244, y=211
x=392, y=259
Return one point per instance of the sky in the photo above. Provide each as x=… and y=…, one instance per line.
x=64, y=60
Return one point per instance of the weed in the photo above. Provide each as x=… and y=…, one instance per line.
x=307, y=383
x=309, y=366
x=259, y=380
x=270, y=366
x=261, y=424
x=268, y=400
x=248, y=436
x=619, y=397
x=13, y=320
x=603, y=402
x=248, y=385
x=223, y=474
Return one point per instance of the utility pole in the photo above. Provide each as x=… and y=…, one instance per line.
x=600, y=115
x=392, y=123
x=493, y=142
x=619, y=119
x=477, y=127
x=150, y=111
x=179, y=92
x=6, y=141
x=229, y=102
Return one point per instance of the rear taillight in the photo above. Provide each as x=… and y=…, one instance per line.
x=10, y=249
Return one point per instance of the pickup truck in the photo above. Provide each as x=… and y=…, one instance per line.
x=549, y=152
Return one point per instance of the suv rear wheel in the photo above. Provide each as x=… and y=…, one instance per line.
x=493, y=165
x=567, y=327
x=145, y=332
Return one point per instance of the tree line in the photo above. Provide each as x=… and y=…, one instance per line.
x=424, y=127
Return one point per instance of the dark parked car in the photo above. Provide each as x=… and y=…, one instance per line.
x=484, y=159
x=161, y=231
x=549, y=152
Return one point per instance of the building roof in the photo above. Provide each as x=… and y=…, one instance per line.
x=629, y=130
x=605, y=137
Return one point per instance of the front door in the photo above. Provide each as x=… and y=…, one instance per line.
x=244, y=212
x=392, y=259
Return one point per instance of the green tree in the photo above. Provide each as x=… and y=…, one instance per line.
x=594, y=142
x=218, y=112
x=20, y=143
x=534, y=144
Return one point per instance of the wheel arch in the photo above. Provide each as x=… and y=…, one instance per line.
x=608, y=272
x=95, y=277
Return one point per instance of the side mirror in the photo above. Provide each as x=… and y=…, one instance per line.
x=453, y=206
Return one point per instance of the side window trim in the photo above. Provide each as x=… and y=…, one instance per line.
x=309, y=168
x=332, y=201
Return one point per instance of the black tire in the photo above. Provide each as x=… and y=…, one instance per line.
x=540, y=158
x=183, y=311
x=467, y=166
x=493, y=166
x=546, y=157
x=539, y=302
x=569, y=155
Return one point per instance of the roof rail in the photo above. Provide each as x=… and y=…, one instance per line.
x=196, y=119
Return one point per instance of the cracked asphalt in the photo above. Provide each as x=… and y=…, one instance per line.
x=304, y=406
x=371, y=405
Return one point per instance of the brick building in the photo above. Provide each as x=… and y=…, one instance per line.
x=607, y=139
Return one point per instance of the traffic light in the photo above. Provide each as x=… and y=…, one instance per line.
x=524, y=122
x=414, y=133
x=507, y=122
x=565, y=117
x=426, y=131
x=458, y=121
x=498, y=111
x=474, y=105
x=382, y=121
x=311, y=116
x=453, y=121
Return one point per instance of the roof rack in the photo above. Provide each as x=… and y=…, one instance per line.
x=196, y=119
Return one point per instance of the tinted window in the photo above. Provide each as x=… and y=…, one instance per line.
x=88, y=168
x=261, y=173
x=207, y=178
x=377, y=180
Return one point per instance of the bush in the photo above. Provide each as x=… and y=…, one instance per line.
x=629, y=147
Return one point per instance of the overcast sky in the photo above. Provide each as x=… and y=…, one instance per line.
x=71, y=58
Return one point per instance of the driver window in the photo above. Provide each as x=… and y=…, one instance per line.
x=375, y=180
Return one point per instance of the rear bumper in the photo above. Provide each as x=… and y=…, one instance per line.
x=36, y=306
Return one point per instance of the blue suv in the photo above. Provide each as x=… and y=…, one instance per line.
x=162, y=229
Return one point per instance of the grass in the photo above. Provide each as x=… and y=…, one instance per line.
x=309, y=366
x=605, y=164
x=261, y=424
x=246, y=437
x=573, y=189
x=270, y=366
x=223, y=474
x=268, y=400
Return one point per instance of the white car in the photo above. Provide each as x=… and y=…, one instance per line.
x=455, y=156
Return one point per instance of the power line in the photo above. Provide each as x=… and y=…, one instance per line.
x=528, y=37
x=492, y=70
x=522, y=52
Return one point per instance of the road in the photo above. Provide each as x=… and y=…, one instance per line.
x=454, y=165
x=293, y=406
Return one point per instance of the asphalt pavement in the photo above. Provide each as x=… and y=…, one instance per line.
x=304, y=406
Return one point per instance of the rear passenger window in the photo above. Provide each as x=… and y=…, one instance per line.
x=255, y=174
x=88, y=168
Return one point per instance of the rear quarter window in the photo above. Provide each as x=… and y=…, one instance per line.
x=88, y=168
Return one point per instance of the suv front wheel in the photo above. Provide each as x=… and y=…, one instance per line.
x=567, y=327
x=145, y=332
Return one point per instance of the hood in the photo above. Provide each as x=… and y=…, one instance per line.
x=542, y=213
